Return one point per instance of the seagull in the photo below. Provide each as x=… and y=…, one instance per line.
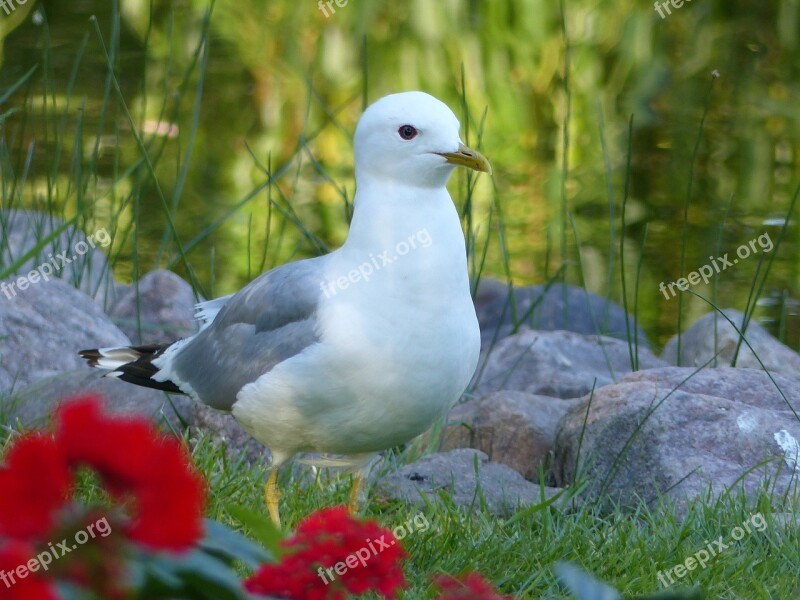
x=356, y=351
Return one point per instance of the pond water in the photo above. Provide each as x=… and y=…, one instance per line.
x=279, y=86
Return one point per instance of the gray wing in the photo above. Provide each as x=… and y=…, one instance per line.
x=271, y=319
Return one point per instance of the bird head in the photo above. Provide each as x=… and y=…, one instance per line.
x=412, y=138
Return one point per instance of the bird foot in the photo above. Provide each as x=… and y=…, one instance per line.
x=272, y=496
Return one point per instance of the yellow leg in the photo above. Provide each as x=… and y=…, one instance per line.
x=352, y=505
x=273, y=496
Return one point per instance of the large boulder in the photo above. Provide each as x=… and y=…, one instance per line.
x=556, y=363
x=713, y=341
x=502, y=310
x=513, y=429
x=73, y=255
x=33, y=407
x=42, y=329
x=468, y=479
x=161, y=304
x=680, y=433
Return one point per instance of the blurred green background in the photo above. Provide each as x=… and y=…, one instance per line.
x=577, y=106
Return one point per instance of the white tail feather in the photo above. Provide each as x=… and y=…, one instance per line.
x=206, y=312
x=114, y=358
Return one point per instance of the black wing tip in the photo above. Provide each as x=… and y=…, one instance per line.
x=135, y=377
x=92, y=356
x=137, y=372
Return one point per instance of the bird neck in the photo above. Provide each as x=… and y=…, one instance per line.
x=388, y=213
x=410, y=243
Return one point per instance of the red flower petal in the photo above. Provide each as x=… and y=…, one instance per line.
x=367, y=555
x=170, y=503
x=118, y=448
x=134, y=460
x=14, y=558
x=35, y=483
x=471, y=586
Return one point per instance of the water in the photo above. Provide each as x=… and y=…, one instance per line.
x=284, y=83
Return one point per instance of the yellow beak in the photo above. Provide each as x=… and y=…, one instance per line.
x=467, y=157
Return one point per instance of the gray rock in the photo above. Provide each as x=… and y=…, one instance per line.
x=785, y=523
x=162, y=303
x=557, y=307
x=513, y=428
x=758, y=389
x=87, y=270
x=651, y=436
x=488, y=295
x=712, y=334
x=556, y=363
x=42, y=329
x=453, y=473
x=34, y=406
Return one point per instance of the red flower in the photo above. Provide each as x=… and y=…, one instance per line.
x=134, y=459
x=170, y=504
x=332, y=553
x=471, y=586
x=14, y=558
x=134, y=462
x=35, y=483
x=118, y=448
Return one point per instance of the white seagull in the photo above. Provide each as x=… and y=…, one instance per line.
x=356, y=351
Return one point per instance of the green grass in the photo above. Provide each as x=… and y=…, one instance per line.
x=624, y=548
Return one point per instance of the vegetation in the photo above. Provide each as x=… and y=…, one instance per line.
x=234, y=123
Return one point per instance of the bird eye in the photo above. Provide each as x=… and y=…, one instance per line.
x=407, y=132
